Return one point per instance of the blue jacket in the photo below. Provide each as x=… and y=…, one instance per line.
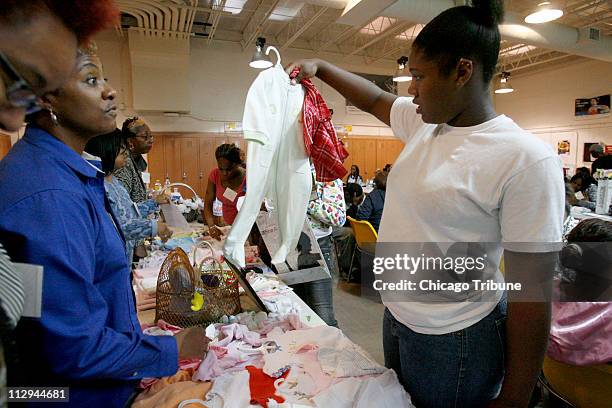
x=372, y=208
x=54, y=213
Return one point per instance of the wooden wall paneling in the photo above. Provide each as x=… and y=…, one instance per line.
x=5, y=145
x=387, y=151
x=208, y=145
x=370, y=158
x=155, y=160
x=190, y=163
x=172, y=158
x=362, y=152
x=353, y=146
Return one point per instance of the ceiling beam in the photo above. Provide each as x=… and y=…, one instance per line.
x=398, y=28
x=214, y=17
x=304, y=26
x=340, y=37
x=584, y=6
x=519, y=67
x=255, y=24
x=395, y=51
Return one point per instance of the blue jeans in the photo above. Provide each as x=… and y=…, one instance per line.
x=463, y=369
x=318, y=295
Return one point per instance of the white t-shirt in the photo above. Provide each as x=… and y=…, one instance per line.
x=493, y=182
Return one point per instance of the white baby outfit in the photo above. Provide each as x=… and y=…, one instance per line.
x=277, y=164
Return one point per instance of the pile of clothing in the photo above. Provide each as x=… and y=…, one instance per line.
x=275, y=362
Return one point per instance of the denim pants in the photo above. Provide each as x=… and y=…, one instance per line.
x=345, y=242
x=463, y=369
x=318, y=294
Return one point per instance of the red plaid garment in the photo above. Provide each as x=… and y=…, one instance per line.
x=322, y=144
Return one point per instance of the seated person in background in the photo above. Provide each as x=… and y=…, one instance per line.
x=354, y=197
x=387, y=168
x=372, y=207
x=587, y=186
x=343, y=236
x=132, y=217
x=227, y=183
x=581, y=331
x=583, y=170
x=354, y=176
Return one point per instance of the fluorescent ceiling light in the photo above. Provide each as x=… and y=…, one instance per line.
x=544, y=13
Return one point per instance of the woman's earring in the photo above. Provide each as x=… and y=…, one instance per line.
x=53, y=117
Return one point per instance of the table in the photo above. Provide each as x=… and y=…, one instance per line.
x=580, y=215
x=307, y=315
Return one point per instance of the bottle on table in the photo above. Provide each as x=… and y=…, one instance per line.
x=157, y=187
x=175, y=196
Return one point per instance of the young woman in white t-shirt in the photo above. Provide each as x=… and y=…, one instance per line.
x=465, y=175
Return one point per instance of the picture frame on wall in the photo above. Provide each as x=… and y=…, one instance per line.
x=586, y=154
x=565, y=144
x=592, y=108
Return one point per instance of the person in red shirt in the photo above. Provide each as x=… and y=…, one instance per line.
x=226, y=183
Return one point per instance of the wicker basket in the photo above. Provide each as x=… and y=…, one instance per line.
x=221, y=295
x=178, y=282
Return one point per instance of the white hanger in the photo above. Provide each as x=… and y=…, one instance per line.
x=278, y=57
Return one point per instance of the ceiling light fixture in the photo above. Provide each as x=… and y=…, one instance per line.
x=402, y=74
x=545, y=12
x=260, y=59
x=504, y=86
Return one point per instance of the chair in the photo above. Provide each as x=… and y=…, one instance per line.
x=577, y=386
x=365, y=235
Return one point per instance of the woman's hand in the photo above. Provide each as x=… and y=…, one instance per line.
x=163, y=231
x=192, y=343
x=308, y=69
x=215, y=232
x=162, y=199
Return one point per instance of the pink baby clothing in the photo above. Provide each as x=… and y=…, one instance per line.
x=236, y=331
x=581, y=333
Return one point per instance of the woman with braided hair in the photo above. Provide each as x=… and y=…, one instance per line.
x=472, y=173
x=226, y=183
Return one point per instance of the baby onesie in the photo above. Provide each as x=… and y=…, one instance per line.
x=277, y=163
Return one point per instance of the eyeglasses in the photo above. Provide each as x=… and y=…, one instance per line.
x=19, y=93
x=146, y=136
